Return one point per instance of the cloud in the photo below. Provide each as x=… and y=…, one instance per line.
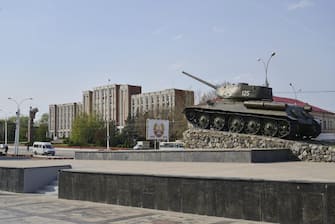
x=216, y=29
x=300, y=5
x=178, y=37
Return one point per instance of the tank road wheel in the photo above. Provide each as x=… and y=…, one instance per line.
x=270, y=128
x=284, y=129
x=252, y=126
x=236, y=124
x=203, y=121
x=219, y=123
x=191, y=116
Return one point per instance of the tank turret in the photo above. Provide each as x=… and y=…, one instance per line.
x=238, y=92
x=250, y=109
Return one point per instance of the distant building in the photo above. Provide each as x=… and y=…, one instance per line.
x=126, y=92
x=166, y=104
x=108, y=102
x=87, y=102
x=161, y=101
x=61, y=117
x=324, y=117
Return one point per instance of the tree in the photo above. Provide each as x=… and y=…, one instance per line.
x=40, y=133
x=140, y=125
x=129, y=134
x=177, y=121
x=10, y=130
x=44, y=119
x=88, y=130
x=41, y=129
x=11, y=125
x=211, y=95
x=24, y=128
x=114, y=134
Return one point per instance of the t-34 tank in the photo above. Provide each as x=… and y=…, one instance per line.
x=243, y=108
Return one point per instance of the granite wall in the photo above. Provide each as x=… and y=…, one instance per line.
x=259, y=200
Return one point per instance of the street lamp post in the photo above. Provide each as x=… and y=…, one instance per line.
x=266, y=66
x=107, y=117
x=17, y=129
x=295, y=92
x=5, y=128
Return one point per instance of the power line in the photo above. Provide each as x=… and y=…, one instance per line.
x=303, y=92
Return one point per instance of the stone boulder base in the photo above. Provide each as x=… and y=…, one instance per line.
x=210, y=139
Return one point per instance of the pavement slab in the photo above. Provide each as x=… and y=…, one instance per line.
x=41, y=209
x=281, y=171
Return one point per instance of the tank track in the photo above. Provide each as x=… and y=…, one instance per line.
x=243, y=123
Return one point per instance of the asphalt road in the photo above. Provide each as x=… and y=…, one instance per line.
x=60, y=152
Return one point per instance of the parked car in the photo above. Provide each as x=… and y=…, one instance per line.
x=171, y=145
x=43, y=148
x=142, y=145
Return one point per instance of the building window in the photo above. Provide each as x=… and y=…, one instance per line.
x=168, y=101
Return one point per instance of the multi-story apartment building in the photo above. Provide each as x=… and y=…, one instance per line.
x=161, y=101
x=87, y=102
x=61, y=117
x=110, y=102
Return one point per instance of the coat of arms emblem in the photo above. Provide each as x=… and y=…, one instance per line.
x=158, y=129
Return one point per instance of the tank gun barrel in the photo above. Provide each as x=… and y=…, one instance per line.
x=200, y=80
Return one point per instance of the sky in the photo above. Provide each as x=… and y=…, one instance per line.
x=52, y=51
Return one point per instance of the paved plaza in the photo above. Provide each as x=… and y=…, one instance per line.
x=42, y=209
x=281, y=171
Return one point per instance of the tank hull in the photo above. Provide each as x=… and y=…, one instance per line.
x=255, y=117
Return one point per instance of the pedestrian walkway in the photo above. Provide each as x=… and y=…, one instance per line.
x=41, y=209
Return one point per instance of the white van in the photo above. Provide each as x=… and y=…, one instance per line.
x=43, y=148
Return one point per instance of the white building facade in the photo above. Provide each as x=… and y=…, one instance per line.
x=109, y=102
x=61, y=117
x=161, y=101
